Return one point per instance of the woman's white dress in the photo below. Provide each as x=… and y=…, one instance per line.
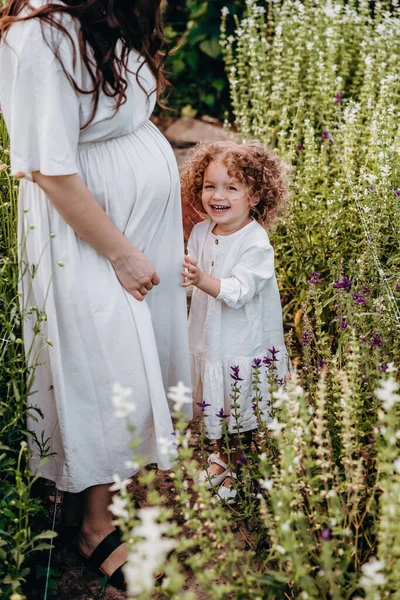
x=95, y=333
x=242, y=324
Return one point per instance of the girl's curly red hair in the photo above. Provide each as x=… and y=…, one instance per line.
x=251, y=163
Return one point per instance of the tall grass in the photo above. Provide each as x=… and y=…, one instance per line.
x=17, y=504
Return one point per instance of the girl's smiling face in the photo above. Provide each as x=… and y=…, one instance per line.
x=225, y=199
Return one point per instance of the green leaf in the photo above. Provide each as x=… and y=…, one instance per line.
x=211, y=48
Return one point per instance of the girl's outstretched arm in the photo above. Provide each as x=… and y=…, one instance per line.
x=193, y=276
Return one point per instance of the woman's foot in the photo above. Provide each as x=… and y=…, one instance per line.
x=90, y=540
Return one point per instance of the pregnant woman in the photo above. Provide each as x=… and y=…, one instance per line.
x=100, y=228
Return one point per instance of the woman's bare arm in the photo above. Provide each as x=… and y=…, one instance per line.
x=80, y=209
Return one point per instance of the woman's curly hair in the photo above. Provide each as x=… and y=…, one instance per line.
x=251, y=163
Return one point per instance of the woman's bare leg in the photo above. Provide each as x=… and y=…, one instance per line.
x=97, y=524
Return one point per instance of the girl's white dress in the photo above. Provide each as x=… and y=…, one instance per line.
x=242, y=324
x=93, y=333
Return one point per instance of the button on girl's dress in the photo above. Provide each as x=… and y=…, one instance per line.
x=216, y=241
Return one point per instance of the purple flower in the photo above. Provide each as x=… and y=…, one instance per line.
x=256, y=363
x=268, y=361
x=305, y=338
x=299, y=147
x=221, y=414
x=365, y=290
x=274, y=353
x=343, y=284
x=397, y=192
x=358, y=298
x=384, y=367
x=338, y=98
x=203, y=405
x=242, y=460
x=314, y=278
x=325, y=134
x=325, y=534
x=343, y=324
x=321, y=363
x=397, y=287
x=235, y=374
x=376, y=340
x=371, y=188
x=254, y=406
x=363, y=339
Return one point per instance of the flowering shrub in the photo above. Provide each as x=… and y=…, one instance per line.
x=319, y=493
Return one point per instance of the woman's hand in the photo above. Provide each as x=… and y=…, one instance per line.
x=192, y=273
x=136, y=273
x=80, y=209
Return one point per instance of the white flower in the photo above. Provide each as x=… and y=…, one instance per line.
x=286, y=527
x=391, y=368
x=119, y=484
x=275, y=426
x=224, y=11
x=119, y=399
x=397, y=465
x=372, y=576
x=167, y=446
x=281, y=549
x=118, y=507
x=386, y=393
x=178, y=394
x=149, y=553
x=281, y=397
x=266, y=484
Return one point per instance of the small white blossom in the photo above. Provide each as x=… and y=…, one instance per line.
x=119, y=400
x=180, y=394
x=372, y=576
x=167, y=446
x=266, y=484
x=386, y=393
x=397, y=465
x=281, y=397
x=149, y=553
x=118, y=507
x=224, y=11
x=119, y=484
x=275, y=426
x=281, y=549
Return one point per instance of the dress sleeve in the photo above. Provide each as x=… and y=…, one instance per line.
x=249, y=276
x=39, y=104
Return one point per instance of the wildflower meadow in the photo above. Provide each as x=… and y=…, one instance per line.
x=319, y=510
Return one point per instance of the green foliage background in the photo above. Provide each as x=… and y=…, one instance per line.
x=196, y=68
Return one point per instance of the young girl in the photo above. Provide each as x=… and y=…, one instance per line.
x=235, y=314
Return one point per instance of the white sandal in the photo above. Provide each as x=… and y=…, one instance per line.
x=227, y=494
x=210, y=479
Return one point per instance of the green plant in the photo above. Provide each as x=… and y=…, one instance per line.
x=196, y=67
x=17, y=505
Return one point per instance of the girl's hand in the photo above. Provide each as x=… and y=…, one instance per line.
x=192, y=273
x=136, y=273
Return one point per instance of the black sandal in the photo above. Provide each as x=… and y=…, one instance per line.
x=106, y=547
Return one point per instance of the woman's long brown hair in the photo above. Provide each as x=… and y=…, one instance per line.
x=136, y=23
